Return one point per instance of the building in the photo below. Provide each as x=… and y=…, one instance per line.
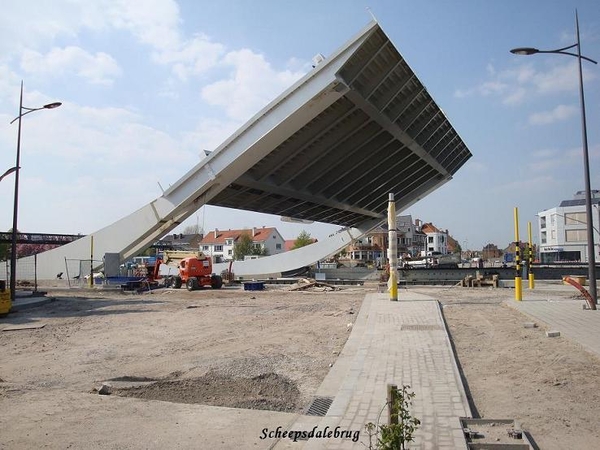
x=437, y=240
x=372, y=248
x=563, y=230
x=491, y=252
x=178, y=241
x=419, y=239
x=220, y=243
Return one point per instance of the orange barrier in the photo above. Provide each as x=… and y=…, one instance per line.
x=581, y=289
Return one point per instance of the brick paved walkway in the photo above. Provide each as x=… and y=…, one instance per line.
x=566, y=316
x=404, y=343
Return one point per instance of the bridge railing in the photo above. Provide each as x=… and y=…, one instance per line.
x=40, y=238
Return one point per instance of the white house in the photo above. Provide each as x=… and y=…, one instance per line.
x=220, y=243
x=436, y=239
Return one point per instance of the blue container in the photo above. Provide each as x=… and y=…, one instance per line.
x=254, y=286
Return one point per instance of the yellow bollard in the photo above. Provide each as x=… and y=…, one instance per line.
x=530, y=259
x=518, y=286
x=5, y=302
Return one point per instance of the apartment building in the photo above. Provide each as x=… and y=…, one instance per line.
x=563, y=230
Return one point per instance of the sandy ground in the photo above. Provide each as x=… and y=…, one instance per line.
x=258, y=350
x=548, y=385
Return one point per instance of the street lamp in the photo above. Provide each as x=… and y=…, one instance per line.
x=7, y=173
x=23, y=111
x=586, y=162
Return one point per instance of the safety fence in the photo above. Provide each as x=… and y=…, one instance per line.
x=76, y=272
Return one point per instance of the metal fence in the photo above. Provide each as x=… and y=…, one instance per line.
x=26, y=274
x=76, y=272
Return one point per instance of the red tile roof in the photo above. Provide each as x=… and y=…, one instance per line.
x=219, y=236
x=430, y=228
x=289, y=243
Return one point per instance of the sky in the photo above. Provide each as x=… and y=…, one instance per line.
x=147, y=86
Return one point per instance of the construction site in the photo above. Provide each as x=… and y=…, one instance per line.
x=213, y=368
x=194, y=354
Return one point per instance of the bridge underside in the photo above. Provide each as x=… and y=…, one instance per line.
x=330, y=149
x=383, y=134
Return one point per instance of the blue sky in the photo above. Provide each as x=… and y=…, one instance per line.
x=148, y=85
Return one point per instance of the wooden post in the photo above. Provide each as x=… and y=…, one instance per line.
x=392, y=397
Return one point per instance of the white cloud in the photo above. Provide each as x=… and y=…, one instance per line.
x=251, y=85
x=512, y=86
x=155, y=22
x=515, y=97
x=545, y=153
x=530, y=185
x=193, y=57
x=100, y=68
x=557, y=79
x=560, y=113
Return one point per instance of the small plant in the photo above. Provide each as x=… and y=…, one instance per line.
x=400, y=431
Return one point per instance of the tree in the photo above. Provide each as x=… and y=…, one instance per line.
x=244, y=246
x=302, y=240
x=192, y=229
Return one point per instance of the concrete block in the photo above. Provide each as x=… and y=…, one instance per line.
x=552, y=333
x=530, y=325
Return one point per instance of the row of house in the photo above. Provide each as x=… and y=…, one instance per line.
x=220, y=243
x=562, y=235
x=413, y=239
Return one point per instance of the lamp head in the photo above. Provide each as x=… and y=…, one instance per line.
x=524, y=51
x=52, y=105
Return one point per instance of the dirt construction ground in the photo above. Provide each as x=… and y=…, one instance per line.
x=186, y=356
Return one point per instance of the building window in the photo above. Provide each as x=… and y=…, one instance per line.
x=430, y=239
x=229, y=242
x=575, y=218
x=205, y=248
x=278, y=246
x=542, y=221
x=575, y=235
x=230, y=252
x=543, y=236
x=218, y=248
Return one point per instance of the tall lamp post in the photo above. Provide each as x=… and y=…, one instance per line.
x=23, y=111
x=586, y=162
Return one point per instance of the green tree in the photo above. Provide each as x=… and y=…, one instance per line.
x=302, y=240
x=244, y=246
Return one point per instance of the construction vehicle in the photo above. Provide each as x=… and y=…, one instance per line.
x=194, y=270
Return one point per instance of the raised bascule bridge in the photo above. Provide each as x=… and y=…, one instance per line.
x=329, y=149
